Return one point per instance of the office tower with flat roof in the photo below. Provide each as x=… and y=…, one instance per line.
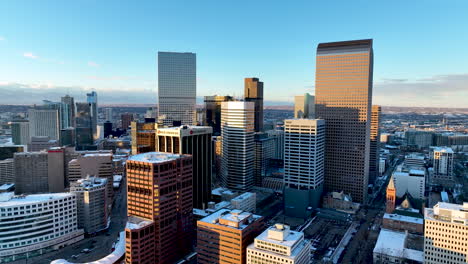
x=91, y=203
x=83, y=130
x=70, y=102
x=143, y=137
x=95, y=165
x=375, y=143
x=20, y=132
x=196, y=141
x=304, y=147
x=159, y=197
x=213, y=111
x=42, y=143
x=126, y=120
x=280, y=245
x=343, y=98
x=223, y=236
x=31, y=172
x=7, y=171
x=108, y=114
x=264, y=153
x=253, y=92
x=238, y=148
x=443, y=166
x=44, y=122
x=92, y=100
x=304, y=106
x=445, y=233
x=278, y=139
x=177, y=88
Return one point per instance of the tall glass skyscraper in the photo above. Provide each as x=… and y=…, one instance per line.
x=177, y=88
x=92, y=100
x=343, y=97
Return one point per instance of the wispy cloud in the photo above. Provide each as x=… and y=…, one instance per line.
x=93, y=64
x=30, y=55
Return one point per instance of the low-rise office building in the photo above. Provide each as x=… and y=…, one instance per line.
x=278, y=245
x=32, y=225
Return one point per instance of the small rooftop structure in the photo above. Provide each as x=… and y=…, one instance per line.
x=394, y=244
x=232, y=218
x=135, y=222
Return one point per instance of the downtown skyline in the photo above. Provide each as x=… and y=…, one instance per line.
x=112, y=49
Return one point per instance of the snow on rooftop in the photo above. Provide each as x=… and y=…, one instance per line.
x=443, y=149
x=154, y=157
x=404, y=218
x=392, y=243
x=98, y=155
x=235, y=216
x=135, y=222
x=6, y=186
x=289, y=240
x=243, y=196
x=34, y=198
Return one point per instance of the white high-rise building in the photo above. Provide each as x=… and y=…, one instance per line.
x=44, y=122
x=278, y=245
x=410, y=180
x=445, y=233
x=238, y=148
x=443, y=166
x=177, y=88
x=91, y=196
x=304, y=150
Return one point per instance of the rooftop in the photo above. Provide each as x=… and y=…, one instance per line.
x=232, y=218
x=244, y=196
x=404, y=218
x=154, y=157
x=16, y=200
x=89, y=182
x=135, y=222
x=392, y=243
x=443, y=149
x=288, y=240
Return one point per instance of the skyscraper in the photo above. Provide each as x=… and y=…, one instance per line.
x=159, y=197
x=70, y=102
x=92, y=100
x=304, y=106
x=31, y=172
x=343, y=98
x=196, y=141
x=126, y=119
x=177, y=88
x=20, y=132
x=375, y=142
x=44, y=122
x=304, y=146
x=443, y=166
x=237, y=132
x=83, y=121
x=253, y=92
x=143, y=137
x=213, y=111
x=264, y=152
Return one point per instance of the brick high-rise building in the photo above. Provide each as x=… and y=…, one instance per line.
x=253, y=92
x=343, y=98
x=375, y=142
x=223, y=237
x=159, y=197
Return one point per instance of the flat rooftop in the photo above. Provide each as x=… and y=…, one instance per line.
x=236, y=217
x=17, y=200
x=404, y=218
x=154, y=157
x=289, y=240
x=443, y=149
x=392, y=243
x=135, y=222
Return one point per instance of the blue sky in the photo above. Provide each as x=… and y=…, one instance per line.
x=54, y=47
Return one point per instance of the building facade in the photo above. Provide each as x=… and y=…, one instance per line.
x=253, y=92
x=223, y=236
x=31, y=172
x=44, y=122
x=213, y=111
x=84, y=122
x=196, y=141
x=36, y=224
x=264, y=152
x=304, y=106
x=304, y=147
x=91, y=194
x=443, y=166
x=70, y=102
x=279, y=245
x=177, y=88
x=7, y=171
x=445, y=233
x=375, y=143
x=143, y=137
x=92, y=100
x=343, y=98
x=159, y=198
x=238, y=148
x=20, y=132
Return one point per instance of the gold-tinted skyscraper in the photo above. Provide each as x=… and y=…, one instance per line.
x=343, y=94
x=375, y=142
x=253, y=92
